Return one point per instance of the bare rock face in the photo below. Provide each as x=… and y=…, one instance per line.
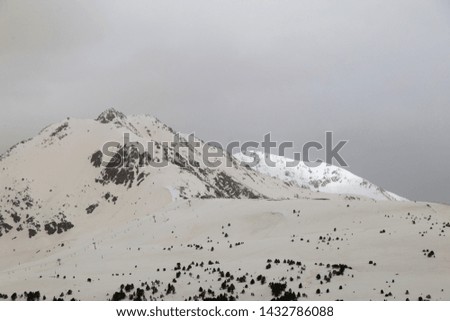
x=111, y=115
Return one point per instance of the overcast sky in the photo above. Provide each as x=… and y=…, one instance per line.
x=374, y=72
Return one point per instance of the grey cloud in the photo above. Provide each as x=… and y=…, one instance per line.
x=374, y=72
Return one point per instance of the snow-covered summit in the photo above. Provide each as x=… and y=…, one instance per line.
x=323, y=178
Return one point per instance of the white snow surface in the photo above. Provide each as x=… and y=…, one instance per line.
x=322, y=178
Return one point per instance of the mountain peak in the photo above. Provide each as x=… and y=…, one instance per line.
x=110, y=115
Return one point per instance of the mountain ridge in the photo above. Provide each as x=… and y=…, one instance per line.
x=322, y=178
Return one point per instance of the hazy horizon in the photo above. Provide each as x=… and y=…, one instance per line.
x=374, y=74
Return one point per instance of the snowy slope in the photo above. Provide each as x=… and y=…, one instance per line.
x=323, y=178
x=325, y=250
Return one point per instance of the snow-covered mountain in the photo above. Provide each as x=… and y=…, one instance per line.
x=323, y=178
x=50, y=181
x=73, y=226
